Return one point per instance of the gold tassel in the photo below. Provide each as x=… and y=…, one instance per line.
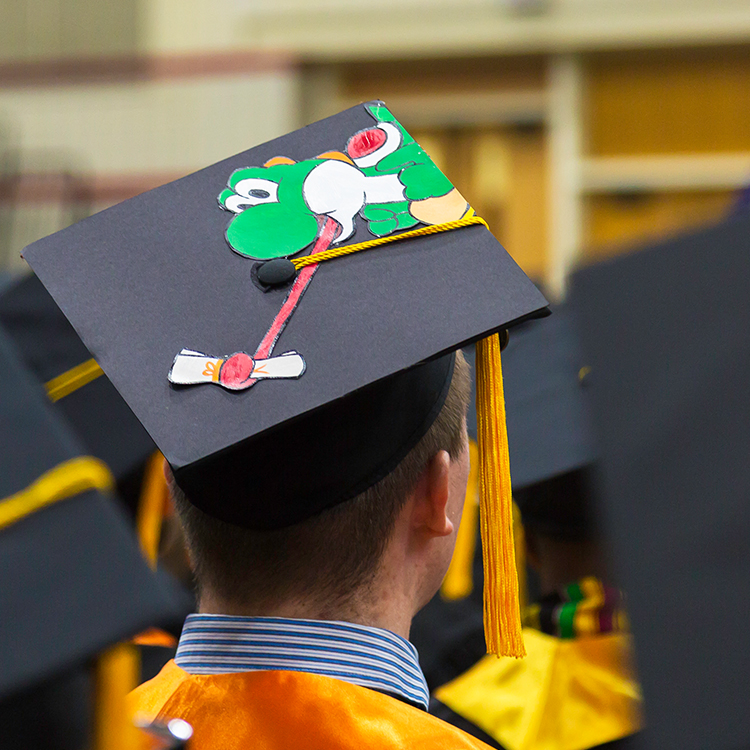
x=459, y=580
x=151, y=506
x=502, y=612
x=116, y=675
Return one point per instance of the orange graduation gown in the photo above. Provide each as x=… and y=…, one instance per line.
x=279, y=710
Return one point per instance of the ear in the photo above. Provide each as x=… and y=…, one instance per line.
x=430, y=509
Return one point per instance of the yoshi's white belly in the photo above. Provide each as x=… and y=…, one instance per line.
x=339, y=190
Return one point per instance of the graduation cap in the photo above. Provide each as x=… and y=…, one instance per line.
x=666, y=333
x=546, y=387
x=549, y=431
x=75, y=580
x=283, y=322
x=53, y=351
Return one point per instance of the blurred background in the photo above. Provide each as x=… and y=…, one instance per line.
x=573, y=126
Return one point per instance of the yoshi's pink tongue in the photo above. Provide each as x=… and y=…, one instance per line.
x=326, y=236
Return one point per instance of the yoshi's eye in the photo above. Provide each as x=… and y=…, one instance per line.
x=251, y=191
x=256, y=190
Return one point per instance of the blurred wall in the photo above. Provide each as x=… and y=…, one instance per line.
x=86, y=146
x=576, y=127
x=55, y=29
x=668, y=132
x=97, y=105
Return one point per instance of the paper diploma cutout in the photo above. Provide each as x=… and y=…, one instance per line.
x=236, y=372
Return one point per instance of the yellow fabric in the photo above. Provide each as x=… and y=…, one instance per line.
x=566, y=694
x=73, y=379
x=459, y=580
x=502, y=610
x=117, y=671
x=154, y=637
x=65, y=480
x=338, y=252
x=151, y=506
x=278, y=710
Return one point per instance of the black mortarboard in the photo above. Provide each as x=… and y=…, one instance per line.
x=666, y=333
x=177, y=283
x=546, y=384
x=75, y=383
x=549, y=434
x=74, y=579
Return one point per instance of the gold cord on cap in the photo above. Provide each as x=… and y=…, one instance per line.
x=73, y=379
x=65, y=480
x=338, y=252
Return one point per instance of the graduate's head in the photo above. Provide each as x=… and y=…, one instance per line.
x=560, y=529
x=561, y=507
x=330, y=559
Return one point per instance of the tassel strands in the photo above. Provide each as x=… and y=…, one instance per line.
x=502, y=612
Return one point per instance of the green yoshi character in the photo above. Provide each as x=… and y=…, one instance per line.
x=383, y=175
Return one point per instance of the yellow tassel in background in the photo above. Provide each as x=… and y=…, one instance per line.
x=117, y=671
x=153, y=501
x=459, y=580
x=118, y=668
x=502, y=612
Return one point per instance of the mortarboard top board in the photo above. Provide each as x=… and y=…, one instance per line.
x=75, y=580
x=666, y=333
x=192, y=281
x=54, y=353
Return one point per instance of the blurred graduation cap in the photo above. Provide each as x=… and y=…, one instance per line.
x=550, y=439
x=549, y=432
x=51, y=349
x=666, y=333
x=262, y=271
x=546, y=384
x=75, y=579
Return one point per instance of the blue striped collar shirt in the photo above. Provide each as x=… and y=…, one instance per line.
x=365, y=656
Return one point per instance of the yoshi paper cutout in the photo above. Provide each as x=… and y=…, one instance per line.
x=383, y=177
